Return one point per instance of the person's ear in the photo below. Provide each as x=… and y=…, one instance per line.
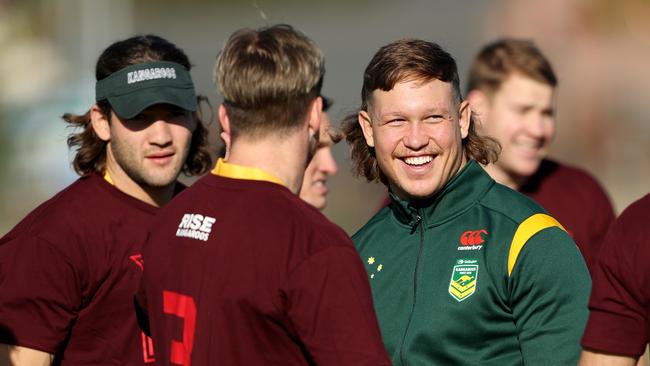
x=366, y=127
x=464, y=118
x=224, y=121
x=315, y=115
x=100, y=123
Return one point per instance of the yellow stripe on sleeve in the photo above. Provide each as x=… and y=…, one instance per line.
x=525, y=231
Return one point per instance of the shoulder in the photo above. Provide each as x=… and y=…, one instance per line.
x=318, y=229
x=578, y=177
x=524, y=223
x=561, y=177
x=506, y=202
x=570, y=171
x=376, y=222
x=60, y=208
x=82, y=209
x=636, y=212
x=631, y=228
x=52, y=229
x=271, y=209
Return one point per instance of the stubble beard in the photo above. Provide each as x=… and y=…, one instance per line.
x=135, y=169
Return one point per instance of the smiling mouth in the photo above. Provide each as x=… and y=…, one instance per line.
x=418, y=160
x=320, y=184
x=532, y=145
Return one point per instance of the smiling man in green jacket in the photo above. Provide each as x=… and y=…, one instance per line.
x=464, y=271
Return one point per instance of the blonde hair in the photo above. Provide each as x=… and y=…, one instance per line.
x=268, y=77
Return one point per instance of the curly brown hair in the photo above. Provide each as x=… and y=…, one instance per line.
x=408, y=59
x=90, y=150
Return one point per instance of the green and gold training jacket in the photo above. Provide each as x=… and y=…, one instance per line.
x=477, y=275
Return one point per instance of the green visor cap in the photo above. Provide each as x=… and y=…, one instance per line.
x=137, y=87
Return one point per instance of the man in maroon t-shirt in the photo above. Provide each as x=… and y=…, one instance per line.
x=618, y=329
x=240, y=270
x=512, y=89
x=68, y=271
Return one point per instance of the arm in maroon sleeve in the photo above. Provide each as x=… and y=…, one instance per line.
x=330, y=308
x=40, y=294
x=618, y=320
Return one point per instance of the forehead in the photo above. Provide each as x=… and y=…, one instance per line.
x=161, y=108
x=413, y=95
x=519, y=87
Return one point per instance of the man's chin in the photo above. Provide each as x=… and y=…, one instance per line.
x=525, y=171
x=160, y=181
x=414, y=194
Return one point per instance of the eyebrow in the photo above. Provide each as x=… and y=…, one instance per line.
x=439, y=111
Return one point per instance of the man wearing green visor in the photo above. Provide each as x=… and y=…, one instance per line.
x=68, y=271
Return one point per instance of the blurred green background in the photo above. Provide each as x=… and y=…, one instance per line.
x=599, y=49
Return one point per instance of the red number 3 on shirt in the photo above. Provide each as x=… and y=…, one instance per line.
x=182, y=306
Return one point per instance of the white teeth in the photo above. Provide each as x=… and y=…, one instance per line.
x=418, y=160
x=529, y=145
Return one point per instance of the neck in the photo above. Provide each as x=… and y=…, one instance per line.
x=154, y=196
x=284, y=156
x=504, y=178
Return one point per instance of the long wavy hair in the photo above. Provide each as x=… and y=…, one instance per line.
x=90, y=150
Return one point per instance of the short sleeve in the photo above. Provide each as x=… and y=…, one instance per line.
x=601, y=217
x=618, y=320
x=330, y=308
x=40, y=294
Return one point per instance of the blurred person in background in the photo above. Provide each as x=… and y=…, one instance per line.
x=463, y=270
x=314, y=184
x=512, y=89
x=240, y=270
x=618, y=329
x=68, y=271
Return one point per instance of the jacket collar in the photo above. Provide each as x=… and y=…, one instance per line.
x=234, y=171
x=460, y=193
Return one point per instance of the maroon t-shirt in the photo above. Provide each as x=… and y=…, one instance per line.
x=243, y=272
x=619, y=318
x=576, y=200
x=68, y=272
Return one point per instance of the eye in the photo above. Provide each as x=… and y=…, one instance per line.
x=181, y=112
x=434, y=118
x=178, y=113
x=522, y=110
x=395, y=121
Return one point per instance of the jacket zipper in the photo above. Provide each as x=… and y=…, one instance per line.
x=420, y=226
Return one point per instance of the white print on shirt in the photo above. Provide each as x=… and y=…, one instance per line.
x=195, y=226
